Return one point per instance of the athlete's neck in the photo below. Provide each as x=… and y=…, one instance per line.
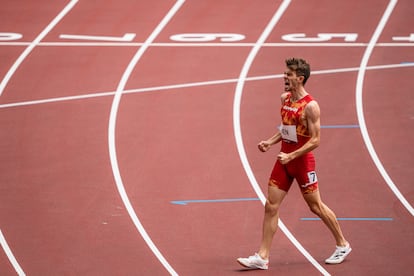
x=298, y=94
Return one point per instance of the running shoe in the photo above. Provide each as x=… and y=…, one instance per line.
x=254, y=262
x=339, y=255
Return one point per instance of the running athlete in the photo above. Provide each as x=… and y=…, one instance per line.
x=299, y=134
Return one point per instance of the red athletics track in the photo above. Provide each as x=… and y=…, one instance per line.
x=61, y=213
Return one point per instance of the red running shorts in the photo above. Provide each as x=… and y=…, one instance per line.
x=302, y=169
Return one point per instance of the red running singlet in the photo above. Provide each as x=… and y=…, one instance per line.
x=294, y=135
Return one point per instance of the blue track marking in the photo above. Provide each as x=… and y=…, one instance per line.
x=340, y=126
x=352, y=219
x=185, y=202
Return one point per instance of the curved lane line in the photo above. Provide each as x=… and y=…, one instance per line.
x=4, y=83
x=112, y=143
x=238, y=136
x=360, y=109
x=10, y=255
x=33, y=44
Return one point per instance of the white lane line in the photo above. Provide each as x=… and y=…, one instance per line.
x=360, y=108
x=238, y=135
x=3, y=84
x=195, y=84
x=112, y=131
x=33, y=44
x=10, y=255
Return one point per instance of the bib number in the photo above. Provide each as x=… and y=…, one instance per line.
x=312, y=179
x=289, y=133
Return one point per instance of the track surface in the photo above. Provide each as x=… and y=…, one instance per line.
x=101, y=132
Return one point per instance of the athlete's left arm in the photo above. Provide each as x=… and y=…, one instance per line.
x=312, y=117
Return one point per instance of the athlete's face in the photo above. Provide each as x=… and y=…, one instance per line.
x=292, y=81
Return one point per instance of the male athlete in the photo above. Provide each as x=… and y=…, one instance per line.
x=299, y=134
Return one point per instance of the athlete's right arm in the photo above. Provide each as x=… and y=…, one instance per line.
x=265, y=145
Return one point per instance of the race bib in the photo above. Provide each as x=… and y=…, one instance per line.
x=312, y=179
x=289, y=133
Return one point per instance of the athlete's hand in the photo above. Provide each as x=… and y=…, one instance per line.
x=284, y=158
x=264, y=146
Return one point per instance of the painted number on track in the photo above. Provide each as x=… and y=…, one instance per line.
x=206, y=37
x=404, y=38
x=10, y=36
x=321, y=37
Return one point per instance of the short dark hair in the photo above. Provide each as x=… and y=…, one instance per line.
x=300, y=66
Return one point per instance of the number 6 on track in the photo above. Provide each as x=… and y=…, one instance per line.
x=204, y=37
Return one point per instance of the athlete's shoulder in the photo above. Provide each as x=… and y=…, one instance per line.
x=309, y=98
x=312, y=107
x=285, y=96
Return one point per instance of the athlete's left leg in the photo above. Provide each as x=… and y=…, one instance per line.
x=316, y=205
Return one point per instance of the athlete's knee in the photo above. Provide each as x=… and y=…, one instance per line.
x=316, y=208
x=271, y=208
x=321, y=210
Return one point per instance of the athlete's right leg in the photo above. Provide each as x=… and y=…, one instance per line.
x=261, y=259
x=279, y=184
x=271, y=218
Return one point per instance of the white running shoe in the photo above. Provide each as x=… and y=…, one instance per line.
x=254, y=262
x=339, y=255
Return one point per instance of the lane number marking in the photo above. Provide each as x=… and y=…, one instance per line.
x=321, y=37
x=128, y=37
x=204, y=37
